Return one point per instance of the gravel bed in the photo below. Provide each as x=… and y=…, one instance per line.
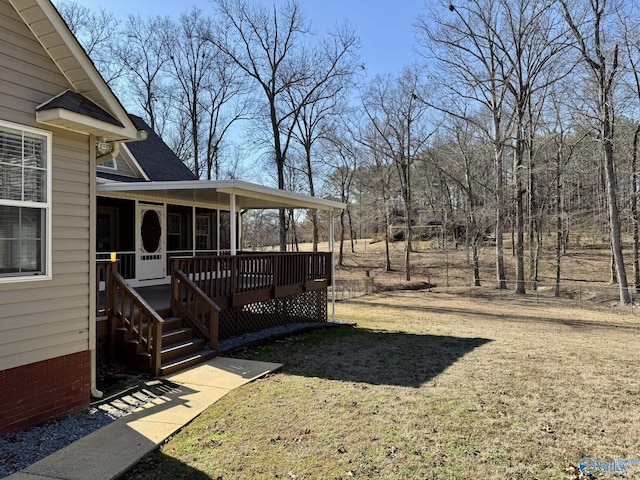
x=20, y=449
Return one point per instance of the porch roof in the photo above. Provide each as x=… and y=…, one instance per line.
x=248, y=196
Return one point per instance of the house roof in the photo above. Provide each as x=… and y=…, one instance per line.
x=63, y=48
x=78, y=103
x=155, y=157
x=248, y=196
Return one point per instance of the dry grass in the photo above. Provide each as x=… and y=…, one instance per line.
x=585, y=270
x=432, y=385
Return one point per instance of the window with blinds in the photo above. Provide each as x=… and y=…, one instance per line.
x=24, y=201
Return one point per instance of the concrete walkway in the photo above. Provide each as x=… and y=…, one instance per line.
x=110, y=451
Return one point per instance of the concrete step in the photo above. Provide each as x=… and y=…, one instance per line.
x=186, y=361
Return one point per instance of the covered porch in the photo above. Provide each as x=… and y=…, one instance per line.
x=205, y=294
x=146, y=224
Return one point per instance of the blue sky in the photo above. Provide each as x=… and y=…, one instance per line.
x=385, y=27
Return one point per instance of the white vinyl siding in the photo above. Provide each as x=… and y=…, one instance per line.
x=46, y=319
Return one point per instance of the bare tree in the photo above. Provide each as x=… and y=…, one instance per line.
x=342, y=155
x=464, y=41
x=531, y=45
x=632, y=47
x=321, y=101
x=98, y=34
x=145, y=57
x=601, y=59
x=193, y=60
x=224, y=102
x=269, y=46
x=397, y=111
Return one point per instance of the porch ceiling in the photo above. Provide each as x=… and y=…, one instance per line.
x=249, y=196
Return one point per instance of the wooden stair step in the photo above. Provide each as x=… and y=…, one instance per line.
x=171, y=337
x=186, y=361
x=181, y=349
x=172, y=323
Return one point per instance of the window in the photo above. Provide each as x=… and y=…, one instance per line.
x=174, y=231
x=25, y=202
x=110, y=164
x=203, y=232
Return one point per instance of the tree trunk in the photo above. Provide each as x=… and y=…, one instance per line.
x=614, y=216
x=476, y=260
x=500, y=270
x=351, y=232
x=519, y=245
x=314, y=221
x=559, y=225
x=387, y=267
x=342, y=228
x=634, y=209
x=407, y=243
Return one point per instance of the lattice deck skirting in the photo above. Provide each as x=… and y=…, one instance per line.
x=305, y=307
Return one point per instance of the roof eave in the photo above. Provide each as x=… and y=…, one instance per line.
x=272, y=197
x=76, y=122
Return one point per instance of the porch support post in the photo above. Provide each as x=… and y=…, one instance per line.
x=234, y=223
x=333, y=267
x=193, y=231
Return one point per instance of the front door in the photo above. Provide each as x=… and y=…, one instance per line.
x=150, y=257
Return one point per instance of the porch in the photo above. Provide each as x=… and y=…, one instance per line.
x=163, y=328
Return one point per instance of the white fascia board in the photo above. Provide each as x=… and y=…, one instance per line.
x=130, y=158
x=260, y=191
x=93, y=126
x=241, y=189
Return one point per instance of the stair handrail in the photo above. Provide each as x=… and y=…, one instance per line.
x=189, y=301
x=149, y=334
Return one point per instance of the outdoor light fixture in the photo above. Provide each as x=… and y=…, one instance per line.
x=103, y=147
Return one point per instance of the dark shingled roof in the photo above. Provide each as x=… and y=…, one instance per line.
x=117, y=178
x=156, y=158
x=78, y=103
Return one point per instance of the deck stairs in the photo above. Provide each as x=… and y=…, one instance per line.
x=181, y=348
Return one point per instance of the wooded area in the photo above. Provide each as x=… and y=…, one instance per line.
x=518, y=117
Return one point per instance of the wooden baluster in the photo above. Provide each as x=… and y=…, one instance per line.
x=156, y=349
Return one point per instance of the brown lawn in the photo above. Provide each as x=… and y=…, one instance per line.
x=431, y=384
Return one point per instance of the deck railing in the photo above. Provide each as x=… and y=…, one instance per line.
x=191, y=303
x=130, y=310
x=104, y=274
x=258, y=276
x=126, y=261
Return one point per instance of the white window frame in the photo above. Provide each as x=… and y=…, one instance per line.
x=46, y=249
x=201, y=233
x=109, y=165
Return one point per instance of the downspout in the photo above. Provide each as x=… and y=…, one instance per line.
x=92, y=262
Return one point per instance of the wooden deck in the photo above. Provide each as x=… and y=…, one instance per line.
x=214, y=298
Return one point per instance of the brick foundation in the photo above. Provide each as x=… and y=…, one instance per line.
x=42, y=391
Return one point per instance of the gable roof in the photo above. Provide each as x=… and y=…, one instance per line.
x=155, y=157
x=65, y=51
